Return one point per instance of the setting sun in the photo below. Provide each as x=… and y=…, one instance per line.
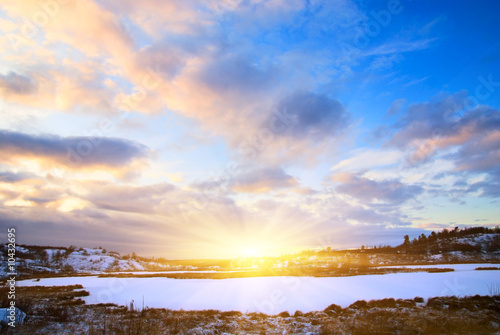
x=250, y=252
x=252, y=249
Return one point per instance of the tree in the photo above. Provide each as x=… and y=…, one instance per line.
x=364, y=262
x=433, y=236
x=43, y=256
x=69, y=250
x=57, y=256
x=407, y=240
x=444, y=233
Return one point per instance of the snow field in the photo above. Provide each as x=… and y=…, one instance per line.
x=272, y=295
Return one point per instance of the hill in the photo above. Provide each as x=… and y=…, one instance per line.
x=32, y=260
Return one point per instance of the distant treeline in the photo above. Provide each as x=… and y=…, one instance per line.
x=442, y=241
x=452, y=240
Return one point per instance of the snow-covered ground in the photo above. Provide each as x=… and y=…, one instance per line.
x=89, y=259
x=272, y=295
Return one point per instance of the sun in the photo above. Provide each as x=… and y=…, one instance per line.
x=254, y=249
x=250, y=252
x=249, y=243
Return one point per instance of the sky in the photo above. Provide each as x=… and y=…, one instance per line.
x=233, y=128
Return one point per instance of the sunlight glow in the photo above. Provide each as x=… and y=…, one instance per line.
x=258, y=248
x=18, y=203
x=251, y=252
x=71, y=204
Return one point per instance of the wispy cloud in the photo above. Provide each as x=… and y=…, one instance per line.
x=399, y=47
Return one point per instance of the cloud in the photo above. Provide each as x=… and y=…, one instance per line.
x=13, y=83
x=238, y=73
x=242, y=95
x=448, y=128
x=241, y=83
x=448, y=123
x=366, y=190
x=396, y=107
x=90, y=213
x=399, y=47
x=263, y=181
x=59, y=85
x=71, y=152
x=155, y=17
x=490, y=187
x=426, y=120
x=300, y=128
x=102, y=34
x=249, y=179
x=93, y=49
x=415, y=81
x=168, y=57
x=31, y=190
x=314, y=116
x=49, y=227
x=481, y=152
x=12, y=177
x=147, y=199
x=161, y=213
x=368, y=158
x=370, y=216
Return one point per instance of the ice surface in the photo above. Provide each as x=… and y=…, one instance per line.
x=272, y=295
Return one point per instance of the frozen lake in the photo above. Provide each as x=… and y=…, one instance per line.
x=272, y=295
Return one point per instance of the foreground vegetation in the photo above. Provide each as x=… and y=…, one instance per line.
x=60, y=310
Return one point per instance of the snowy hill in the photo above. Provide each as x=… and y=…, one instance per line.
x=87, y=259
x=35, y=259
x=467, y=240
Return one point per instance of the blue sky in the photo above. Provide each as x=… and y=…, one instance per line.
x=207, y=128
